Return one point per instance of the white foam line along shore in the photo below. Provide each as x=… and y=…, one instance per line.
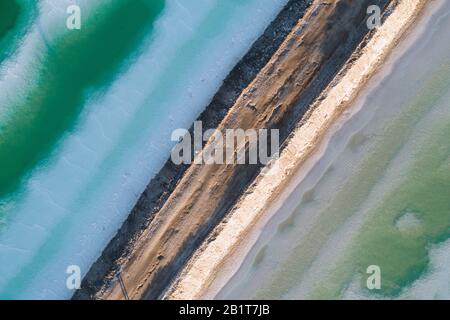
x=75, y=190
x=218, y=259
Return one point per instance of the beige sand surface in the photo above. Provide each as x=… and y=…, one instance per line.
x=317, y=45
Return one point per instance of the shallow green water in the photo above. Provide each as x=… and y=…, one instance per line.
x=9, y=13
x=380, y=195
x=421, y=193
x=73, y=64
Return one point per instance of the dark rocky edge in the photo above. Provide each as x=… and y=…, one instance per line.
x=103, y=271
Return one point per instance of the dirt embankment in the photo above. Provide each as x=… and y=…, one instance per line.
x=101, y=274
x=303, y=66
x=222, y=253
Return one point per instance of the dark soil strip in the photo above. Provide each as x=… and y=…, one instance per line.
x=341, y=43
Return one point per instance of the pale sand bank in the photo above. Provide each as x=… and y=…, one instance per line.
x=215, y=263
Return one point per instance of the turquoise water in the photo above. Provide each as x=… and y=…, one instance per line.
x=379, y=196
x=15, y=18
x=72, y=64
x=86, y=118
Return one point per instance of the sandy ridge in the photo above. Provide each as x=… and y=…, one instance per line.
x=102, y=273
x=198, y=279
x=303, y=65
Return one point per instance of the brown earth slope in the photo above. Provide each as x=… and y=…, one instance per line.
x=304, y=64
